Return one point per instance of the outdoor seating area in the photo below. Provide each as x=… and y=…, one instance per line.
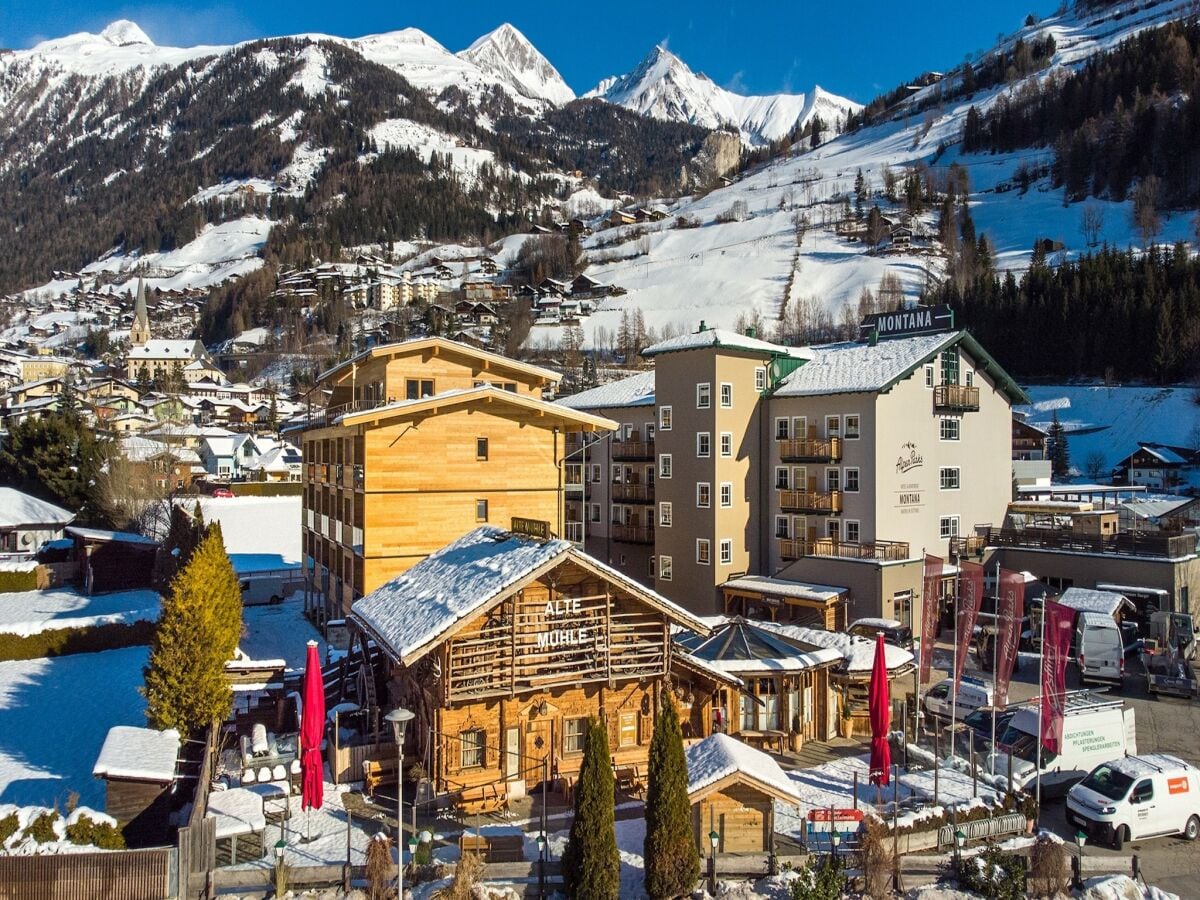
x=267, y=757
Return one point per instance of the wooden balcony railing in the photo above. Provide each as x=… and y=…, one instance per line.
x=882, y=551
x=633, y=493
x=632, y=450
x=967, y=545
x=632, y=534
x=819, y=502
x=1127, y=543
x=810, y=449
x=956, y=398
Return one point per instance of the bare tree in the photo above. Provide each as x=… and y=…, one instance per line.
x=1093, y=465
x=1146, y=217
x=1091, y=223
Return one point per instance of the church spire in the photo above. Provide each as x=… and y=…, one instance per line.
x=139, y=334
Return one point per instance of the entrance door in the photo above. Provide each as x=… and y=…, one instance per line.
x=512, y=754
x=539, y=744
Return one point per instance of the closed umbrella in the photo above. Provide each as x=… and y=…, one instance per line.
x=880, y=702
x=312, y=729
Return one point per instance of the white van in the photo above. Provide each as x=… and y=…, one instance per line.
x=1100, y=647
x=1095, y=730
x=973, y=694
x=1137, y=797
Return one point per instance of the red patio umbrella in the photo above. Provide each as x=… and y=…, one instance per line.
x=312, y=729
x=880, y=702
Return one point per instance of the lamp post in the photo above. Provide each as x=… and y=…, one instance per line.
x=1080, y=840
x=960, y=841
x=835, y=838
x=714, y=840
x=541, y=845
x=399, y=719
x=280, y=887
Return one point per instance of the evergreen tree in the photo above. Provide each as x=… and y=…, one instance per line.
x=672, y=858
x=590, y=862
x=197, y=633
x=59, y=459
x=1060, y=459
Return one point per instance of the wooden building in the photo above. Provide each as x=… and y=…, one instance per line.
x=423, y=441
x=138, y=768
x=505, y=643
x=781, y=600
x=732, y=789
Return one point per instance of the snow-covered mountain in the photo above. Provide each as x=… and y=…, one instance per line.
x=663, y=86
x=508, y=55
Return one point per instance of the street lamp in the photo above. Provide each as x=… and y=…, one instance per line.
x=541, y=845
x=1080, y=839
x=714, y=840
x=399, y=719
x=280, y=887
x=960, y=841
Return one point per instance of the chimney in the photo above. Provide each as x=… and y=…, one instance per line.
x=703, y=327
x=751, y=331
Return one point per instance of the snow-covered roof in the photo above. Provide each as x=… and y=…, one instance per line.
x=636, y=390
x=18, y=509
x=872, y=622
x=718, y=756
x=457, y=582
x=781, y=587
x=739, y=646
x=1168, y=455
x=719, y=337
x=416, y=345
x=141, y=754
x=100, y=534
x=854, y=367
x=858, y=653
x=1091, y=600
x=167, y=349
x=1155, y=507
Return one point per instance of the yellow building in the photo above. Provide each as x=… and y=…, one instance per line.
x=421, y=442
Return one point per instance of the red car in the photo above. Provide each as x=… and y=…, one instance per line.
x=222, y=492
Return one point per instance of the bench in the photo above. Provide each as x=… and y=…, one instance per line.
x=629, y=779
x=494, y=848
x=378, y=772
x=483, y=798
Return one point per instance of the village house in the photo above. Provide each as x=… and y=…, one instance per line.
x=1028, y=441
x=1160, y=467
x=27, y=522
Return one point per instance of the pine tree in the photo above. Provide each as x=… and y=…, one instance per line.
x=197, y=633
x=672, y=858
x=590, y=862
x=1060, y=459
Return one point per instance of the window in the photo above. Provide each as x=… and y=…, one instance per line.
x=649, y=431
x=833, y=426
x=664, y=418
x=726, y=444
x=949, y=478
x=703, y=395
x=664, y=465
x=1143, y=793
x=471, y=745
x=970, y=379
x=416, y=388
x=726, y=551
x=948, y=526
x=594, y=468
x=781, y=430
x=703, y=551
x=664, y=514
x=594, y=512
x=852, y=531
x=481, y=448
x=833, y=529
x=950, y=429
x=781, y=478
x=851, y=477
x=950, y=366
x=627, y=733
x=760, y=379
x=783, y=527
x=703, y=494
x=664, y=568
x=650, y=573
x=616, y=475
x=726, y=494
x=929, y=376
x=833, y=479
x=703, y=444
x=481, y=510
x=852, y=431
x=574, y=735
x=726, y=395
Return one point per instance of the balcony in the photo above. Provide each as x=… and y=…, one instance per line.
x=826, y=503
x=632, y=493
x=969, y=545
x=828, y=450
x=955, y=398
x=574, y=532
x=1157, y=544
x=879, y=551
x=632, y=450
x=632, y=534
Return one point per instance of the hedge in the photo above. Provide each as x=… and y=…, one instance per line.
x=12, y=582
x=267, y=488
x=65, y=641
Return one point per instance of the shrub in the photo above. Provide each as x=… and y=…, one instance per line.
x=671, y=857
x=819, y=879
x=1047, y=867
x=13, y=582
x=380, y=867
x=994, y=874
x=8, y=827
x=878, y=860
x=591, y=863
x=467, y=874
x=65, y=641
x=105, y=835
x=41, y=829
x=267, y=488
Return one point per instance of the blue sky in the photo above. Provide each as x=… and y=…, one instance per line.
x=853, y=48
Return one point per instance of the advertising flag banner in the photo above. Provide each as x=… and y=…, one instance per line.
x=970, y=596
x=1010, y=610
x=1056, y=644
x=931, y=604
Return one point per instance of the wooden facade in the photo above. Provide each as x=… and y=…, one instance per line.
x=741, y=813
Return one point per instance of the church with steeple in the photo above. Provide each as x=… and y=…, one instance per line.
x=151, y=358
x=139, y=334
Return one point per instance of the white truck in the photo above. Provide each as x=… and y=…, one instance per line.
x=1137, y=797
x=1100, y=649
x=1095, y=730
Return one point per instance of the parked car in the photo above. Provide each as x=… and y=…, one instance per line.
x=223, y=493
x=1101, y=649
x=895, y=633
x=973, y=694
x=1137, y=797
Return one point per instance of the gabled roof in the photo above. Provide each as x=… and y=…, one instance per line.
x=739, y=646
x=719, y=337
x=485, y=393
x=636, y=390
x=414, y=612
x=719, y=756
x=18, y=509
x=164, y=349
x=438, y=345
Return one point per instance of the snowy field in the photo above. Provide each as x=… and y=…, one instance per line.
x=54, y=717
x=260, y=532
x=32, y=612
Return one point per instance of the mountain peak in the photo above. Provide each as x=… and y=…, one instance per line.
x=123, y=32
x=508, y=55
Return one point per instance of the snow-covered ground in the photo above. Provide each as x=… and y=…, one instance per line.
x=279, y=631
x=260, y=532
x=54, y=717
x=32, y=612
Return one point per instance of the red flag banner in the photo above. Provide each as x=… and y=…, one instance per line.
x=1010, y=610
x=930, y=610
x=970, y=596
x=1056, y=644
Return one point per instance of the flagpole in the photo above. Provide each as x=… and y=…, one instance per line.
x=1041, y=702
x=954, y=677
x=996, y=659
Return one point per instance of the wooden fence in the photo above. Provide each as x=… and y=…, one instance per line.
x=129, y=874
x=197, y=842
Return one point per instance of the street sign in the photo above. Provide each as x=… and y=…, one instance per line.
x=843, y=819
